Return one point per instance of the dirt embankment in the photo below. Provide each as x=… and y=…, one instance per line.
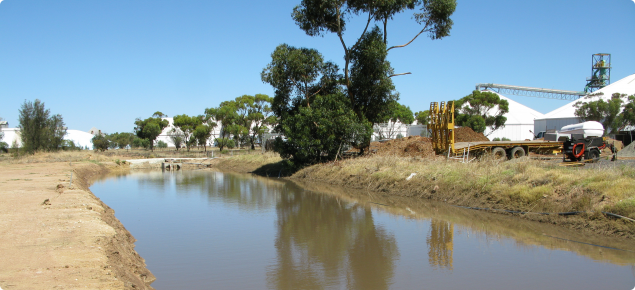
x=57, y=235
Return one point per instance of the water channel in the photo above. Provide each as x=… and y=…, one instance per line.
x=214, y=230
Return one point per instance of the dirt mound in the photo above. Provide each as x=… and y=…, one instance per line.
x=411, y=146
x=466, y=134
x=628, y=151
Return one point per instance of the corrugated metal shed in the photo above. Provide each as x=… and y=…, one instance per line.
x=565, y=115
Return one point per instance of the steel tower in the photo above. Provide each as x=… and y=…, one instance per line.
x=600, y=72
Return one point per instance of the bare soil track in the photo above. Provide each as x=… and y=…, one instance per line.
x=54, y=235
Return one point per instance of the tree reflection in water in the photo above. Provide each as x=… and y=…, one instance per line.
x=322, y=243
x=244, y=191
x=440, y=244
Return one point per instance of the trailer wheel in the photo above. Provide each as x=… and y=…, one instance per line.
x=499, y=154
x=517, y=152
x=594, y=155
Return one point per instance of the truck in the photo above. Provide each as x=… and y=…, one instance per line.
x=442, y=128
x=585, y=142
x=576, y=141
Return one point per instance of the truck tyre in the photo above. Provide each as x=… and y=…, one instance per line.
x=594, y=155
x=499, y=154
x=517, y=152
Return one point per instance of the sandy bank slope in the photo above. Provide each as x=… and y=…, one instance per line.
x=53, y=236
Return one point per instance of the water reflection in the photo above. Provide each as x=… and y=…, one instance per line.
x=322, y=243
x=245, y=191
x=440, y=244
x=250, y=232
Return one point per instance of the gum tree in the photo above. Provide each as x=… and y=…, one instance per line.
x=397, y=113
x=150, y=128
x=481, y=110
x=628, y=113
x=319, y=17
x=187, y=125
x=225, y=115
x=605, y=112
x=261, y=116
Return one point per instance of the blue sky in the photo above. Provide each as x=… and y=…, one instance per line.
x=104, y=63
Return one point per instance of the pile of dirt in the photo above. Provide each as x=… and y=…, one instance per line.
x=411, y=146
x=618, y=145
x=628, y=151
x=466, y=134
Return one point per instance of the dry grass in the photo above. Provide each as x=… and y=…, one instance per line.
x=61, y=156
x=258, y=158
x=523, y=185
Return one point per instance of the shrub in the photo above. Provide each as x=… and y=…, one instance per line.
x=162, y=144
x=317, y=133
x=100, y=143
x=230, y=144
x=138, y=142
x=496, y=139
x=69, y=145
x=505, y=139
x=4, y=147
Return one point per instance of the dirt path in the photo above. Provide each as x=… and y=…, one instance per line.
x=56, y=236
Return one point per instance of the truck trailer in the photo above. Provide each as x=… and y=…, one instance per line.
x=442, y=127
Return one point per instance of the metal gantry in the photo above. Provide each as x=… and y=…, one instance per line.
x=600, y=72
x=531, y=92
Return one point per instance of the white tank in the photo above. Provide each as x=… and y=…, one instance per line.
x=590, y=128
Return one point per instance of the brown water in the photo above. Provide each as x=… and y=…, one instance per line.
x=212, y=230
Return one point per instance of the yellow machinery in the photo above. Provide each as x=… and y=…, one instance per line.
x=442, y=126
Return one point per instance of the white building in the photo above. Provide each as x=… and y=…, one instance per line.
x=80, y=138
x=390, y=130
x=520, y=121
x=565, y=115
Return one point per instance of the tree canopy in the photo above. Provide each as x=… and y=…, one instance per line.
x=321, y=131
x=396, y=113
x=187, y=124
x=297, y=75
x=226, y=115
x=628, y=112
x=120, y=140
x=38, y=129
x=370, y=88
x=100, y=142
x=150, y=128
x=318, y=17
x=300, y=76
x=605, y=112
x=423, y=117
x=481, y=110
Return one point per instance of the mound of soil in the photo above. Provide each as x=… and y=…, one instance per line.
x=411, y=146
x=466, y=134
x=628, y=151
